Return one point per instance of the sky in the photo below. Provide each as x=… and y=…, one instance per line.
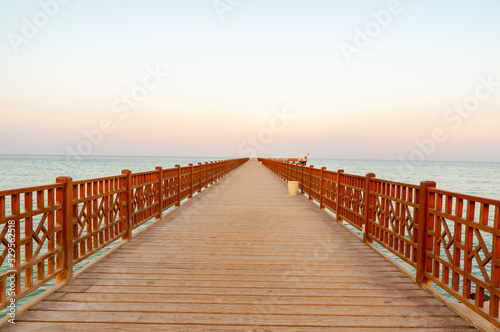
x=360, y=79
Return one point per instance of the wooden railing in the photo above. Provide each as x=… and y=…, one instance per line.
x=450, y=239
x=47, y=230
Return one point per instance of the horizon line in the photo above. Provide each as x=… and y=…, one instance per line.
x=320, y=158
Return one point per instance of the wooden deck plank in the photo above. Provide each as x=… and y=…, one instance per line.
x=221, y=290
x=244, y=284
x=64, y=327
x=319, y=310
x=247, y=299
x=241, y=278
x=291, y=271
x=243, y=256
x=262, y=319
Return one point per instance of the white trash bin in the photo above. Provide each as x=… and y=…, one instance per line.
x=293, y=187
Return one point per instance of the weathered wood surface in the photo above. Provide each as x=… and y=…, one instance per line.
x=243, y=256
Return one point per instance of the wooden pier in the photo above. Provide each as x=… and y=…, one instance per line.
x=242, y=256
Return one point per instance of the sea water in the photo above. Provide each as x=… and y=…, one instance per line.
x=474, y=178
x=18, y=171
x=466, y=177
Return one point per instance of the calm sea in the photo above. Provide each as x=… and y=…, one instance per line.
x=17, y=171
x=475, y=178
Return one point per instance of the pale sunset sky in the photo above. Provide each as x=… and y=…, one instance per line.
x=354, y=79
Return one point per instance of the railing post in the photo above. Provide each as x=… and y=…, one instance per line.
x=199, y=176
x=65, y=239
x=302, y=180
x=321, y=189
x=206, y=174
x=178, y=185
x=468, y=255
x=337, y=198
x=424, y=242
x=192, y=182
x=214, y=172
x=209, y=173
x=16, y=210
x=128, y=204
x=368, y=213
x=160, y=192
x=212, y=167
x=310, y=184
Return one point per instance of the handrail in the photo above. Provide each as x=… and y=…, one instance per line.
x=440, y=234
x=46, y=230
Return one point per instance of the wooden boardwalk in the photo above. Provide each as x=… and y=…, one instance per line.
x=242, y=256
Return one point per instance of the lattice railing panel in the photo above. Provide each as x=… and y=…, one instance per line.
x=330, y=190
x=98, y=214
x=352, y=199
x=30, y=222
x=465, y=255
x=393, y=223
x=170, y=187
